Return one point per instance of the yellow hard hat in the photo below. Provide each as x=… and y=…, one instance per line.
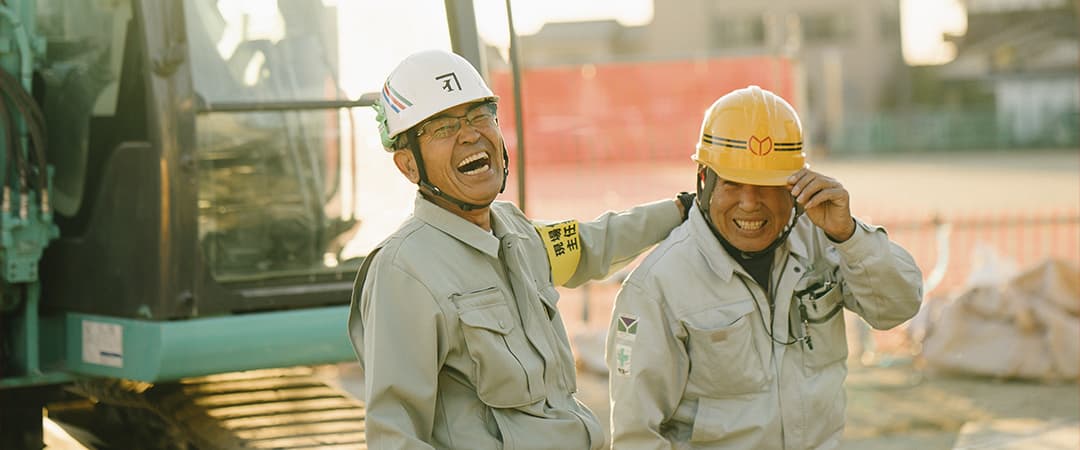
x=751, y=136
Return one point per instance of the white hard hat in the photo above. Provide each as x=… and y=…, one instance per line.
x=424, y=84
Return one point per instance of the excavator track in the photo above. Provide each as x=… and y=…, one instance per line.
x=262, y=409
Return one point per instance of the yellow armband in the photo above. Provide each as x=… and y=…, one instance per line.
x=563, y=246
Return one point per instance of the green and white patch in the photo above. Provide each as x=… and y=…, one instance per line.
x=626, y=326
x=623, y=359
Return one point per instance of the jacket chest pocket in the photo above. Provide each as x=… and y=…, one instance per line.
x=825, y=326
x=724, y=359
x=506, y=372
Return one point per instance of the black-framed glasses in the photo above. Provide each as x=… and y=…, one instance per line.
x=481, y=116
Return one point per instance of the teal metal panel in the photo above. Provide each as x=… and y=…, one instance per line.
x=155, y=351
x=36, y=380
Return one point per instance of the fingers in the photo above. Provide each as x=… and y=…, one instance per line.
x=837, y=195
x=798, y=181
x=825, y=201
x=806, y=185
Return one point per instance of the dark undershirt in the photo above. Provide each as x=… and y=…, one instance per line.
x=757, y=266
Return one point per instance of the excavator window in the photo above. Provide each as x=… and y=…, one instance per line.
x=301, y=191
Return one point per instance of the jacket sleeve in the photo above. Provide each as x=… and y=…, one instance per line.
x=401, y=355
x=883, y=284
x=648, y=368
x=614, y=239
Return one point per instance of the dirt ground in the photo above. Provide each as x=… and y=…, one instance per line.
x=898, y=407
x=892, y=405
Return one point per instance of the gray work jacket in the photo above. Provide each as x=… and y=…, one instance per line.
x=459, y=333
x=692, y=363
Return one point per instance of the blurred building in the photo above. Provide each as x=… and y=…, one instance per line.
x=847, y=51
x=1013, y=83
x=1023, y=56
x=588, y=42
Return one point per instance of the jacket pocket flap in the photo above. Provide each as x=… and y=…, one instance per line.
x=486, y=309
x=720, y=317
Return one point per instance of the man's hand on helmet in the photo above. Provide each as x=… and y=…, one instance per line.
x=684, y=200
x=826, y=202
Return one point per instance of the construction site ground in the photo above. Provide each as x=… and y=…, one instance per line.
x=902, y=408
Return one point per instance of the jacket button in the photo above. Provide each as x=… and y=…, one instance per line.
x=797, y=270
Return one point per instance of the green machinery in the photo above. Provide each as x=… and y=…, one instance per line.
x=183, y=196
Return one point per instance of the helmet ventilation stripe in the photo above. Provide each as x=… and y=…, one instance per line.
x=395, y=99
x=388, y=101
x=723, y=142
x=398, y=95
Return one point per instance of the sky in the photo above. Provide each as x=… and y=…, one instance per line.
x=922, y=23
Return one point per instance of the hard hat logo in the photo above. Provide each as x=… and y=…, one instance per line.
x=761, y=147
x=447, y=79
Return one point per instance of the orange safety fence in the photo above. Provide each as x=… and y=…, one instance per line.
x=639, y=111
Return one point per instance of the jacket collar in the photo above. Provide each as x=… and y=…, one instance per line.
x=719, y=260
x=795, y=244
x=455, y=226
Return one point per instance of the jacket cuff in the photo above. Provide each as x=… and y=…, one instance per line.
x=861, y=243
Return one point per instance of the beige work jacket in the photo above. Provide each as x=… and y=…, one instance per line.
x=459, y=333
x=691, y=359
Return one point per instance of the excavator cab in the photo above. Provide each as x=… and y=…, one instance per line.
x=244, y=150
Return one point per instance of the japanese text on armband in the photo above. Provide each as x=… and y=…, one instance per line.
x=563, y=244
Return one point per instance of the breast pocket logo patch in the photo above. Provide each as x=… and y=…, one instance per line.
x=626, y=327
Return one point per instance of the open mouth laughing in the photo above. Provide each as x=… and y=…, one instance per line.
x=474, y=164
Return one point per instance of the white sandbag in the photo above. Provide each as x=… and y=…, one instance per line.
x=1028, y=327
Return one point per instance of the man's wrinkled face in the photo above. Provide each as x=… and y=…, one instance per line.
x=462, y=151
x=750, y=217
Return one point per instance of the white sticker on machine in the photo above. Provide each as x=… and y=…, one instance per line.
x=103, y=343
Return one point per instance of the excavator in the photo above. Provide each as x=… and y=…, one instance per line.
x=188, y=189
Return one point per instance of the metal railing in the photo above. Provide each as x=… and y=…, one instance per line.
x=945, y=247
x=885, y=132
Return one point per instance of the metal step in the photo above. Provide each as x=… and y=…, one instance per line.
x=262, y=409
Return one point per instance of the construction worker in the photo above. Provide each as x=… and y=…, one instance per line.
x=730, y=333
x=454, y=317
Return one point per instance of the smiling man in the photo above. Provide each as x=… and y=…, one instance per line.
x=454, y=317
x=731, y=334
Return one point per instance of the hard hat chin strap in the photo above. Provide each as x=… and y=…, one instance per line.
x=706, y=183
x=425, y=184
